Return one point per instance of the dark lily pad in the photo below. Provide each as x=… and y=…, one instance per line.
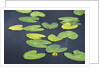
x=37, y=13
x=79, y=12
x=33, y=55
x=24, y=11
x=16, y=27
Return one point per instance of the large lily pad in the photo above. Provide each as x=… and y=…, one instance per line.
x=33, y=28
x=28, y=19
x=76, y=56
x=50, y=26
x=24, y=11
x=70, y=34
x=79, y=12
x=55, y=48
x=16, y=27
x=69, y=26
x=37, y=13
x=52, y=37
x=38, y=43
x=35, y=35
x=33, y=55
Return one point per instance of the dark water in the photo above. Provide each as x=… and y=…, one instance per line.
x=15, y=46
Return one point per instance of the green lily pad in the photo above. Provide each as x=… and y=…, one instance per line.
x=76, y=56
x=35, y=35
x=33, y=28
x=69, y=26
x=55, y=48
x=33, y=55
x=24, y=11
x=37, y=13
x=28, y=19
x=52, y=37
x=38, y=43
x=79, y=12
x=50, y=26
x=16, y=27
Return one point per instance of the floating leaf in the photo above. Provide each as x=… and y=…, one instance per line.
x=55, y=48
x=76, y=56
x=52, y=37
x=28, y=19
x=16, y=27
x=50, y=26
x=38, y=43
x=69, y=26
x=33, y=28
x=79, y=12
x=33, y=55
x=35, y=35
x=24, y=11
x=37, y=13
x=70, y=34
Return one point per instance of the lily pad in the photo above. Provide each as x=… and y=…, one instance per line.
x=28, y=19
x=35, y=35
x=55, y=48
x=16, y=27
x=79, y=12
x=37, y=13
x=69, y=26
x=50, y=26
x=38, y=43
x=52, y=37
x=33, y=28
x=76, y=56
x=33, y=55
x=70, y=34
x=24, y=11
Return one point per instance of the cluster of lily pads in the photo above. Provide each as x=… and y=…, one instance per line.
x=36, y=38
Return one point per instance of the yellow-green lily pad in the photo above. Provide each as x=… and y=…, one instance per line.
x=24, y=11
x=76, y=56
x=69, y=26
x=33, y=55
x=33, y=28
x=35, y=35
x=37, y=13
x=79, y=12
x=38, y=43
x=55, y=48
x=28, y=19
x=16, y=27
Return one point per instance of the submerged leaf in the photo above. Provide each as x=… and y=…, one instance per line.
x=24, y=11
x=37, y=13
x=50, y=26
x=35, y=35
x=33, y=28
x=55, y=48
x=76, y=56
x=79, y=12
x=28, y=19
x=33, y=55
x=16, y=27
x=69, y=26
x=38, y=43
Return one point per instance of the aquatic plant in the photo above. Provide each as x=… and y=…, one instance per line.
x=24, y=11
x=79, y=12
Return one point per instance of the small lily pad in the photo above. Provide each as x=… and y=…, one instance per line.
x=24, y=11
x=16, y=27
x=33, y=55
x=50, y=26
x=52, y=37
x=33, y=28
x=69, y=26
x=35, y=35
x=37, y=13
x=79, y=12
x=28, y=19
x=55, y=48
x=38, y=43
x=76, y=56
